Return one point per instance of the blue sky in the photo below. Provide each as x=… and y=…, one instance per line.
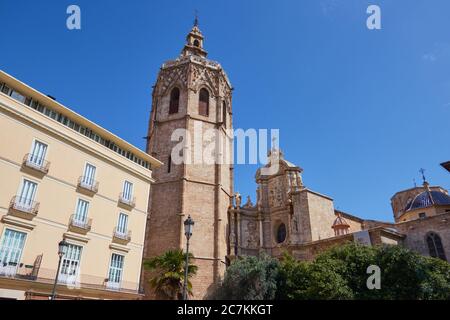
x=361, y=111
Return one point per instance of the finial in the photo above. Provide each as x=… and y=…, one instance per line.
x=415, y=184
x=422, y=171
x=196, y=18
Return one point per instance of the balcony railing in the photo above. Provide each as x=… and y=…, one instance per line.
x=121, y=237
x=75, y=279
x=88, y=184
x=77, y=225
x=24, y=207
x=20, y=270
x=112, y=285
x=36, y=163
x=127, y=200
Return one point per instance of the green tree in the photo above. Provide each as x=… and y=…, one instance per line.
x=341, y=273
x=168, y=274
x=312, y=280
x=250, y=278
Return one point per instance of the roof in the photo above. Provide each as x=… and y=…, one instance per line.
x=60, y=108
x=428, y=199
x=446, y=165
x=340, y=222
x=348, y=215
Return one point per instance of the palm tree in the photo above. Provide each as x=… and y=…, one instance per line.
x=168, y=271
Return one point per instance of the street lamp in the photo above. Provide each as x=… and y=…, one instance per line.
x=62, y=248
x=188, y=226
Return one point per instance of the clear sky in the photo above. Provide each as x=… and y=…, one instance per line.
x=360, y=111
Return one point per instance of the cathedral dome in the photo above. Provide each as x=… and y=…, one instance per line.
x=428, y=199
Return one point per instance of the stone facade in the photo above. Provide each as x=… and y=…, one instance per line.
x=193, y=186
x=287, y=216
x=290, y=217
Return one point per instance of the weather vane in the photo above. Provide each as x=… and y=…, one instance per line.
x=422, y=171
x=196, y=18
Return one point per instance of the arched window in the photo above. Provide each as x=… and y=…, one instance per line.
x=174, y=100
x=435, y=247
x=281, y=233
x=203, y=103
x=224, y=114
x=196, y=43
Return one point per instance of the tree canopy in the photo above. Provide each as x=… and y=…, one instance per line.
x=339, y=273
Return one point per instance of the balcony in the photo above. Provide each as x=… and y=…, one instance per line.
x=37, y=164
x=87, y=185
x=111, y=285
x=20, y=270
x=78, y=226
x=23, y=208
x=121, y=237
x=127, y=201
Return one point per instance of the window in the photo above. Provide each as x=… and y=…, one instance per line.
x=37, y=154
x=70, y=264
x=196, y=43
x=224, y=114
x=435, y=247
x=89, y=175
x=169, y=164
x=422, y=215
x=122, y=225
x=174, y=100
x=81, y=212
x=281, y=233
x=5, y=89
x=115, y=271
x=203, y=104
x=127, y=190
x=26, y=195
x=17, y=96
x=11, y=251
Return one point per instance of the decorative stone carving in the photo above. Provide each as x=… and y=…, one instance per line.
x=169, y=77
x=252, y=235
x=276, y=194
x=249, y=203
x=201, y=75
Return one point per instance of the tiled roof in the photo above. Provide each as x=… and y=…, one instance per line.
x=427, y=199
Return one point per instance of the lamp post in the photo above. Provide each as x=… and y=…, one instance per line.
x=62, y=247
x=188, y=226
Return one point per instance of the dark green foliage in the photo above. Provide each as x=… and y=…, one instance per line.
x=339, y=273
x=250, y=278
x=168, y=274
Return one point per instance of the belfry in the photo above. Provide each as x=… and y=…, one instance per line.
x=191, y=91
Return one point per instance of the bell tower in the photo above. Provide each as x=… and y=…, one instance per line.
x=192, y=94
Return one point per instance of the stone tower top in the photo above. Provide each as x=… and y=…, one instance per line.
x=194, y=42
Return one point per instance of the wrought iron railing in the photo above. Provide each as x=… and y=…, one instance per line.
x=17, y=270
x=76, y=281
x=125, y=236
x=88, y=183
x=76, y=222
x=24, y=205
x=37, y=163
x=127, y=200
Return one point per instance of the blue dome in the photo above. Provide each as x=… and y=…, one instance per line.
x=427, y=199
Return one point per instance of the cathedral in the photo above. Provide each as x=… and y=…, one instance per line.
x=287, y=216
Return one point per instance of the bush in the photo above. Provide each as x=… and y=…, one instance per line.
x=339, y=273
x=250, y=278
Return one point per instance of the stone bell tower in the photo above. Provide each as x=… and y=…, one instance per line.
x=191, y=94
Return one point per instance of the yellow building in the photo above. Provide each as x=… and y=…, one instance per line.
x=64, y=177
